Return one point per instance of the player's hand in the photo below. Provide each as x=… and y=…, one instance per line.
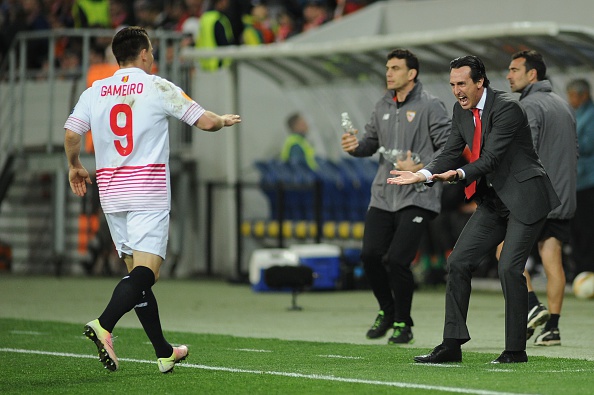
x=79, y=178
x=405, y=177
x=231, y=119
x=349, y=142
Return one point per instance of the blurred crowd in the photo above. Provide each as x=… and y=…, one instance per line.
x=251, y=22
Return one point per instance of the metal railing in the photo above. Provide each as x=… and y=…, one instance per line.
x=34, y=104
x=14, y=77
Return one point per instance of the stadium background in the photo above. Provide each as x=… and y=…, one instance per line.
x=337, y=67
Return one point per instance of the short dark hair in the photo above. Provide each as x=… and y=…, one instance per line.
x=477, y=68
x=128, y=42
x=579, y=86
x=412, y=62
x=292, y=120
x=533, y=60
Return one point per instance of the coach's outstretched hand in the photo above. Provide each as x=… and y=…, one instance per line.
x=405, y=177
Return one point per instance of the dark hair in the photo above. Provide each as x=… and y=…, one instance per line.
x=128, y=42
x=579, y=86
x=533, y=60
x=214, y=4
x=477, y=68
x=412, y=62
x=292, y=120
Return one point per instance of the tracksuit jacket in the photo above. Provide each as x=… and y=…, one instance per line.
x=421, y=125
x=554, y=135
x=585, y=131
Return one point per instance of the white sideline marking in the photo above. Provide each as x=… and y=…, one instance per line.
x=248, y=350
x=437, y=365
x=339, y=356
x=283, y=374
x=16, y=332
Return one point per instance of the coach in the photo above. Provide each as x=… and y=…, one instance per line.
x=514, y=196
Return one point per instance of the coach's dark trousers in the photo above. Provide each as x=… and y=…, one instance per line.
x=488, y=226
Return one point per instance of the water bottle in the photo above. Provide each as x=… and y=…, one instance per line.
x=346, y=123
x=394, y=155
x=419, y=187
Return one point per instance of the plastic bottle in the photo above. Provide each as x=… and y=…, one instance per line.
x=395, y=155
x=346, y=123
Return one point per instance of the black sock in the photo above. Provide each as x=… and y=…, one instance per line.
x=532, y=300
x=553, y=322
x=126, y=295
x=148, y=314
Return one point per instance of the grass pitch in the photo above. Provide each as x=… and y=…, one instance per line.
x=55, y=358
x=244, y=342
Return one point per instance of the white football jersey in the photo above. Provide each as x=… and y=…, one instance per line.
x=128, y=113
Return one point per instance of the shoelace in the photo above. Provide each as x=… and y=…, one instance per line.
x=378, y=321
x=398, y=327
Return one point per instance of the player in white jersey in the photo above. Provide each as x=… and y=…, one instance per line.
x=128, y=115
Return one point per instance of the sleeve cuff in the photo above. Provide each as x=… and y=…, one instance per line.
x=427, y=175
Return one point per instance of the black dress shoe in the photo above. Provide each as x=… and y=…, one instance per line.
x=511, y=357
x=441, y=354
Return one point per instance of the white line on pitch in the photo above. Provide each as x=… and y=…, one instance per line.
x=436, y=365
x=17, y=332
x=283, y=374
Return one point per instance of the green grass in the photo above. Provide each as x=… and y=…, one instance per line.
x=58, y=359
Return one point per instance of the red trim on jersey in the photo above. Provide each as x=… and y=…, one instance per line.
x=133, y=188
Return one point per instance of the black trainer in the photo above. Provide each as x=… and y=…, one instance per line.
x=402, y=334
x=548, y=337
x=381, y=325
x=537, y=316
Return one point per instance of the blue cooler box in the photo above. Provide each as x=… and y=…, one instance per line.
x=264, y=258
x=324, y=260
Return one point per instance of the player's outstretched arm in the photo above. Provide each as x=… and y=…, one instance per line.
x=78, y=176
x=212, y=122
